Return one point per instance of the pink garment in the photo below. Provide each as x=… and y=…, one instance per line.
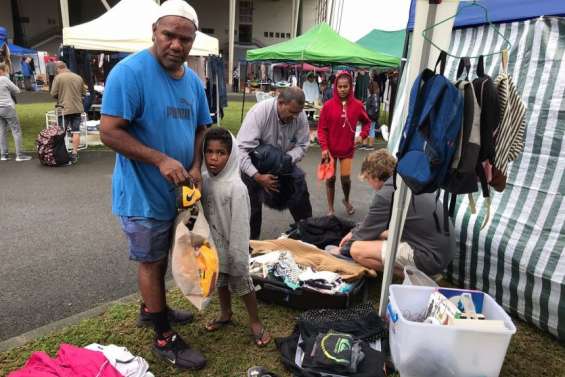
x=487, y=167
x=71, y=361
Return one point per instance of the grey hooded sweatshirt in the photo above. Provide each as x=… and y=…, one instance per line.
x=226, y=206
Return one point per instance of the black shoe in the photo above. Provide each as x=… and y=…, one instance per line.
x=174, y=350
x=176, y=317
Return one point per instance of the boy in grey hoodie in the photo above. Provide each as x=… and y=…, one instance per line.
x=226, y=206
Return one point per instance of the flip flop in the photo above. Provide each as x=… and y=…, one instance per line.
x=348, y=208
x=258, y=338
x=217, y=324
x=259, y=372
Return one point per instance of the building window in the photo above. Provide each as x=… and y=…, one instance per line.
x=207, y=30
x=271, y=34
x=266, y=34
x=245, y=21
x=288, y=35
x=282, y=35
x=277, y=35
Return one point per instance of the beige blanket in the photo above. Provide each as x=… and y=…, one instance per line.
x=309, y=255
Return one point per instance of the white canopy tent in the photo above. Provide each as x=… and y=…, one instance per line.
x=127, y=28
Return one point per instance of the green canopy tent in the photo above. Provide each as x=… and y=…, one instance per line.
x=322, y=45
x=386, y=42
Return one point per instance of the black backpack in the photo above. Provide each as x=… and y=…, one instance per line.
x=321, y=231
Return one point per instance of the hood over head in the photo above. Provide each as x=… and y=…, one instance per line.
x=231, y=170
x=350, y=94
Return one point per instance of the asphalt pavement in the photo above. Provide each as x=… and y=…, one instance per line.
x=62, y=249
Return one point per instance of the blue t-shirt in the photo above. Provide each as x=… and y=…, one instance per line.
x=164, y=113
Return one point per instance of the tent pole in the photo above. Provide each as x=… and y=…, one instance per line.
x=421, y=57
x=244, y=90
x=218, y=100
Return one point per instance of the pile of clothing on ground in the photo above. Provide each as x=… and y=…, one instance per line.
x=335, y=343
x=300, y=265
x=94, y=360
x=280, y=265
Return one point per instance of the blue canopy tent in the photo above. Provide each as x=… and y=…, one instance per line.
x=518, y=257
x=501, y=11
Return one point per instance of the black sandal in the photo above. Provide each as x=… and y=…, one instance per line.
x=217, y=324
x=258, y=338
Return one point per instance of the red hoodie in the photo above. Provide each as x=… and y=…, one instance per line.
x=336, y=127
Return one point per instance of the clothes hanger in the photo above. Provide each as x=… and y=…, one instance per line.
x=473, y=3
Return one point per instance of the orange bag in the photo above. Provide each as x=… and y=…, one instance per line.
x=326, y=168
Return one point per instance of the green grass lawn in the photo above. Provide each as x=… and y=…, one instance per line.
x=231, y=351
x=32, y=121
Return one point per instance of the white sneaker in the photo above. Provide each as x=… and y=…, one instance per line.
x=23, y=157
x=4, y=157
x=384, y=132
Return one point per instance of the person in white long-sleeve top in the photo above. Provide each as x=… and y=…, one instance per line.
x=311, y=89
x=8, y=117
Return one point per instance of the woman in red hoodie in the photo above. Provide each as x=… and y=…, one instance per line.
x=336, y=134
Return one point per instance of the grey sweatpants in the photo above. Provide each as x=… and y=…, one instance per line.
x=9, y=119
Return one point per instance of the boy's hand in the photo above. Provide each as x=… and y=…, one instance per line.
x=345, y=239
x=173, y=171
x=325, y=154
x=268, y=181
x=196, y=176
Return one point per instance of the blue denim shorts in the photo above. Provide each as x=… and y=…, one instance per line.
x=149, y=240
x=373, y=130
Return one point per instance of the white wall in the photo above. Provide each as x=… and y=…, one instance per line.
x=6, y=17
x=271, y=16
x=214, y=15
x=308, y=15
x=268, y=16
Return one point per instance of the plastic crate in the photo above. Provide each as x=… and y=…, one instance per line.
x=426, y=350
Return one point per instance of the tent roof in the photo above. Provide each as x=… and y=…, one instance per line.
x=127, y=28
x=303, y=67
x=388, y=42
x=501, y=11
x=322, y=45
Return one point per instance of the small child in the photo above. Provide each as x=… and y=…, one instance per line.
x=226, y=206
x=373, y=110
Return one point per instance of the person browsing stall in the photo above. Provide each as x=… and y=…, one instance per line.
x=154, y=115
x=423, y=243
x=336, y=135
x=281, y=122
x=68, y=88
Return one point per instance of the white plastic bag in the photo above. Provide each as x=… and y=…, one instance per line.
x=194, y=263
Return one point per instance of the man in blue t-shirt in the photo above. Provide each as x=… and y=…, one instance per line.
x=154, y=115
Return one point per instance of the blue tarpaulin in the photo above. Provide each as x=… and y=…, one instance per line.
x=18, y=50
x=501, y=11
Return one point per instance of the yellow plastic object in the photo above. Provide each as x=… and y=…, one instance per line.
x=189, y=196
x=207, y=260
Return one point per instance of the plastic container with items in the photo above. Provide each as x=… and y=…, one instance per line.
x=424, y=345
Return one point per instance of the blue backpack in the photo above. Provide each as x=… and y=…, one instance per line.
x=430, y=135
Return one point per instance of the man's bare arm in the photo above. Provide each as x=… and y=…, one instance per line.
x=113, y=134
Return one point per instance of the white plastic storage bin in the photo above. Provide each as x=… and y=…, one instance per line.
x=427, y=350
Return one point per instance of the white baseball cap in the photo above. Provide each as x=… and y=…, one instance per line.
x=177, y=8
